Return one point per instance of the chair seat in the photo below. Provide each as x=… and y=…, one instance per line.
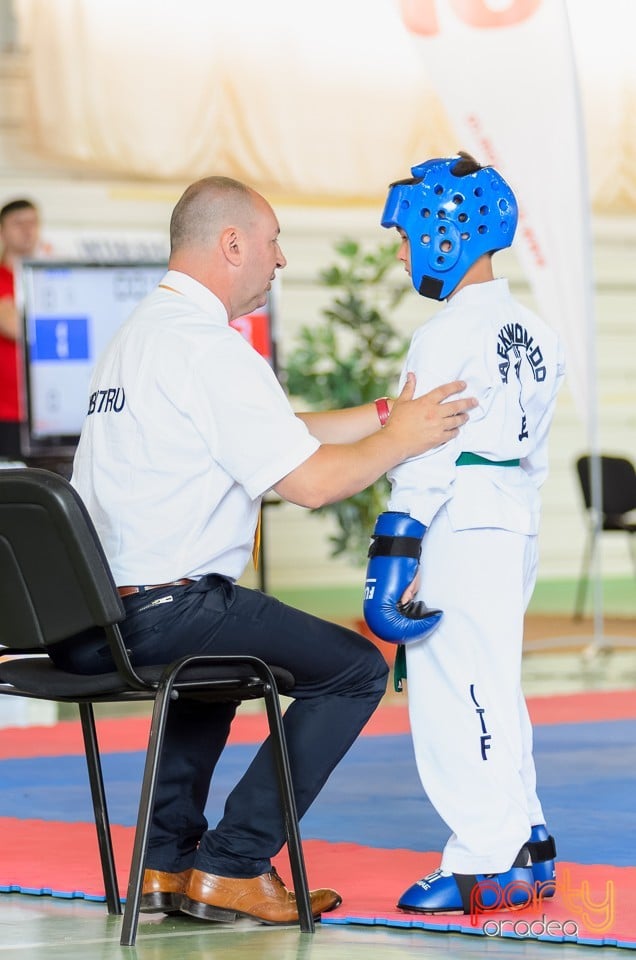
x=618, y=523
x=38, y=677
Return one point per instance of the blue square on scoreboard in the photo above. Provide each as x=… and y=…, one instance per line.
x=61, y=338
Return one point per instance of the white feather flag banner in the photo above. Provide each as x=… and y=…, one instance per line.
x=506, y=74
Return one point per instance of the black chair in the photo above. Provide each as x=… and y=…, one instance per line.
x=54, y=583
x=618, y=498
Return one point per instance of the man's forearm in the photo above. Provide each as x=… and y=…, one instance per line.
x=342, y=426
x=337, y=471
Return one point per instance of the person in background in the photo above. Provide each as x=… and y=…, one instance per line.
x=187, y=428
x=19, y=239
x=471, y=510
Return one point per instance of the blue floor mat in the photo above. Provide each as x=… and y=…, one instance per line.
x=586, y=775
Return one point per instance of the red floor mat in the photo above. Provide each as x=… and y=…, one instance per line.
x=594, y=905
x=131, y=733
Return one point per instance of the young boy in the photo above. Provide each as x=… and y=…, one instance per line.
x=477, y=500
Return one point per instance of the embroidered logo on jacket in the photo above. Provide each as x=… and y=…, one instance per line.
x=513, y=344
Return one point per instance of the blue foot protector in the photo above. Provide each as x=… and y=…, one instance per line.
x=543, y=853
x=471, y=893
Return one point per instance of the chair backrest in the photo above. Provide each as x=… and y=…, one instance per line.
x=618, y=479
x=54, y=577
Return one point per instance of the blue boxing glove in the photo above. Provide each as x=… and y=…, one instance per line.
x=394, y=558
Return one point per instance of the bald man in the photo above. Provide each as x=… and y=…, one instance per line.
x=187, y=429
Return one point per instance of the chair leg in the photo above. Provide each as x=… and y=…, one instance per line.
x=292, y=830
x=632, y=549
x=581, y=590
x=147, y=800
x=100, y=809
x=144, y=815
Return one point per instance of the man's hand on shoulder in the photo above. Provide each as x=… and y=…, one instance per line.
x=429, y=420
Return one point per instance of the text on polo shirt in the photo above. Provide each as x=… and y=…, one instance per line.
x=105, y=401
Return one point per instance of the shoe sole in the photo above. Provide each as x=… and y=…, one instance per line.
x=160, y=903
x=431, y=913
x=206, y=911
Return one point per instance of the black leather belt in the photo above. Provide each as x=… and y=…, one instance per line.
x=128, y=591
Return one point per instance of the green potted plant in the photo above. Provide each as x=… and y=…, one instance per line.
x=350, y=358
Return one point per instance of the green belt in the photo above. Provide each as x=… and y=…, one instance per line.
x=473, y=459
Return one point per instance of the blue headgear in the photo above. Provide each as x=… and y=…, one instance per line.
x=450, y=221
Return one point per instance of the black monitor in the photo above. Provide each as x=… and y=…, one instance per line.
x=71, y=310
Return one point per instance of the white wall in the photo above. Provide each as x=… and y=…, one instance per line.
x=75, y=204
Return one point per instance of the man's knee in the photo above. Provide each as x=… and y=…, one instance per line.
x=379, y=670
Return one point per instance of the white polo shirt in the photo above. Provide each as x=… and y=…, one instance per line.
x=513, y=363
x=187, y=427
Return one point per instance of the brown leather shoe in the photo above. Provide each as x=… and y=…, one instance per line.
x=162, y=891
x=322, y=900
x=263, y=898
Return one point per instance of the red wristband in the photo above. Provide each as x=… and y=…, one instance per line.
x=382, y=408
